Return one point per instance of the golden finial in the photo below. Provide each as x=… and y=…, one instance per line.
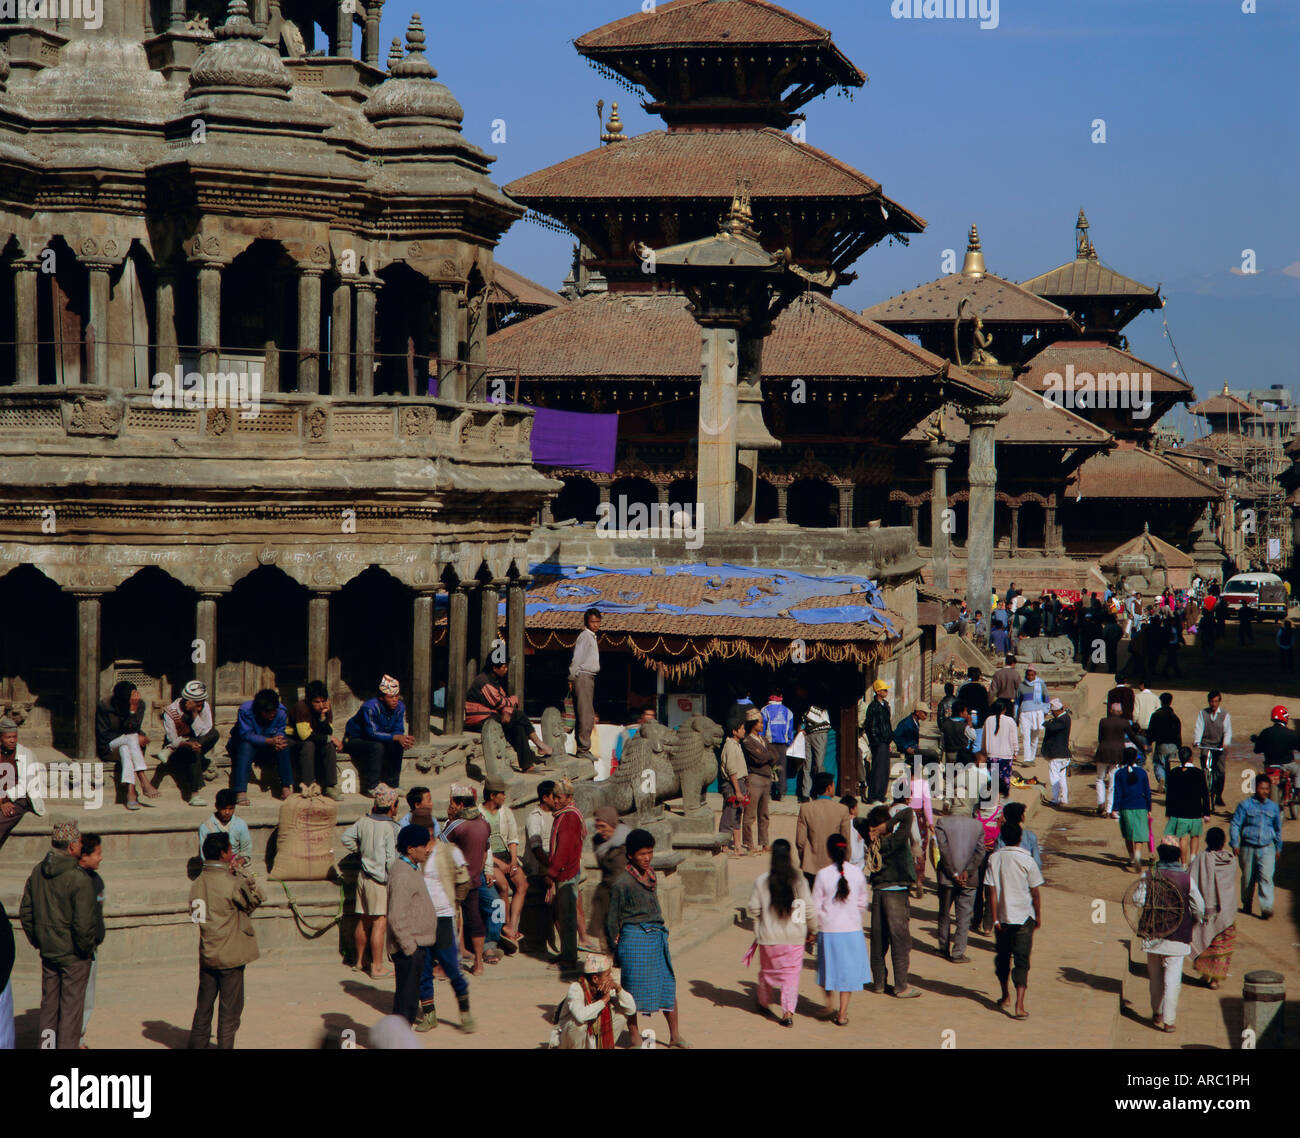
x=614, y=128
x=1083, y=249
x=973, y=265
x=740, y=217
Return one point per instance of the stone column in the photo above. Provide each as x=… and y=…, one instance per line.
x=747, y=460
x=661, y=494
x=25, y=327
x=422, y=666
x=457, y=649
x=341, y=331
x=1015, y=529
x=782, y=501
x=516, y=596
x=604, y=489
x=1051, y=540
x=370, y=34
x=548, y=515
x=715, y=477
x=846, y=507
x=98, y=322
x=938, y=457
x=205, y=629
x=177, y=22
x=309, y=329
x=488, y=623
x=88, y=625
x=343, y=38
x=449, y=386
x=318, y=635
x=983, y=479
x=476, y=346
x=366, y=290
x=916, y=523
x=209, y=316
x=473, y=632
x=168, y=353
x=462, y=337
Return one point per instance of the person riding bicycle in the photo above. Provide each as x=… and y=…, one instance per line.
x=1278, y=744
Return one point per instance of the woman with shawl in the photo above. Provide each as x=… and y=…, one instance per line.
x=1215, y=936
x=784, y=921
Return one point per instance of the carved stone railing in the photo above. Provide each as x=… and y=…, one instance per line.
x=305, y=424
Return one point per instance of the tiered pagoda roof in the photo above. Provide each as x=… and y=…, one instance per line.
x=1226, y=406
x=1131, y=472
x=1031, y=420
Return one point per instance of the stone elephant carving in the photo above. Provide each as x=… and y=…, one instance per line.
x=1045, y=650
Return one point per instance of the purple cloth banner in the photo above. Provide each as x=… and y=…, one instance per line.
x=576, y=440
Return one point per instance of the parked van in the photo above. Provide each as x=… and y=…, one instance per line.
x=1265, y=592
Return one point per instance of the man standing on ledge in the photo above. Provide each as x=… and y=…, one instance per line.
x=582, y=679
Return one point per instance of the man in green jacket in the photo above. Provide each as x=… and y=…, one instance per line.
x=59, y=915
x=892, y=870
x=222, y=900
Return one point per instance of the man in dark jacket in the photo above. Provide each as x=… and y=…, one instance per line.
x=1056, y=750
x=891, y=842
x=1165, y=735
x=974, y=695
x=879, y=726
x=59, y=919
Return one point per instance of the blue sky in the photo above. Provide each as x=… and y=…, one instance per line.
x=1201, y=159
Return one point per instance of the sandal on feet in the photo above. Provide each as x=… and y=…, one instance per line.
x=679, y=1042
x=841, y=1021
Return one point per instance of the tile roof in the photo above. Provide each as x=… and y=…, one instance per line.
x=705, y=164
x=1226, y=405
x=1129, y=472
x=996, y=300
x=620, y=335
x=1030, y=420
x=1159, y=552
x=691, y=22
x=1086, y=276
x=1099, y=358
x=512, y=288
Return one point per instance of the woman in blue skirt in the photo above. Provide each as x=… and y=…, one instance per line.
x=635, y=927
x=840, y=898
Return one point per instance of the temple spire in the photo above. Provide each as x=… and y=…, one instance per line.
x=614, y=127
x=1083, y=249
x=973, y=265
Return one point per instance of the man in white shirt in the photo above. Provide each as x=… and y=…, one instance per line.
x=1014, y=881
x=1145, y=702
x=1213, y=735
x=583, y=670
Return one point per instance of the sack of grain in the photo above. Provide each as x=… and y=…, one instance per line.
x=305, y=838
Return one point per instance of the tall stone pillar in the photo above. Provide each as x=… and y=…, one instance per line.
x=782, y=502
x=473, y=632
x=370, y=34
x=449, y=385
x=88, y=626
x=309, y=330
x=462, y=337
x=177, y=21
x=1051, y=539
x=209, y=316
x=341, y=322
x=25, y=326
x=366, y=298
x=457, y=646
x=1015, y=528
x=476, y=345
x=488, y=623
x=938, y=457
x=205, y=630
x=168, y=353
x=715, y=477
x=343, y=37
x=318, y=635
x=422, y=666
x=983, y=480
x=98, y=322
x=846, y=507
x=516, y=596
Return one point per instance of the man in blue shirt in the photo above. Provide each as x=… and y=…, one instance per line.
x=260, y=735
x=375, y=738
x=1256, y=838
x=778, y=730
x=1015, y=812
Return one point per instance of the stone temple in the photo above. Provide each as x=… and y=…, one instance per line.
x=301, y=245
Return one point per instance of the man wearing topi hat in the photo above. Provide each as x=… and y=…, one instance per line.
x=375, y=737
x=59, y=915
x=188, y=737
x=20, y=780
x=584, y=1019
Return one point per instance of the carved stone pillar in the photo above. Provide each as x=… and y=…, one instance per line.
x=548, y=515
x=168, y=353
x=177, y=22
x=782, y=501
x=422, y=666
x=846, y=507
x=516, y=595
x=938, y=457
x=343, y=38
x=457, y=646
x=318, y=635
x=370, y=34
x=983, y=480
x=205, y=630
x=1015, y=528
x=25, y=326
x=309, y=329
x=209, y=315
x=916, y=523
x=715, y=477
x=88, y=626
x=341, y=327
x=449, y=378
x=98, y=323
x=1052, y=544
x=366, y=297
x=490, y=595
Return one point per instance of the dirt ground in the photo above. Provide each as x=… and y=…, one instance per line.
x=1078, y=976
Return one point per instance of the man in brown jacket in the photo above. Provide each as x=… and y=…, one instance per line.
x=1005, y=682
x=412, y=918
x=818, y=820
x=222, y=900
